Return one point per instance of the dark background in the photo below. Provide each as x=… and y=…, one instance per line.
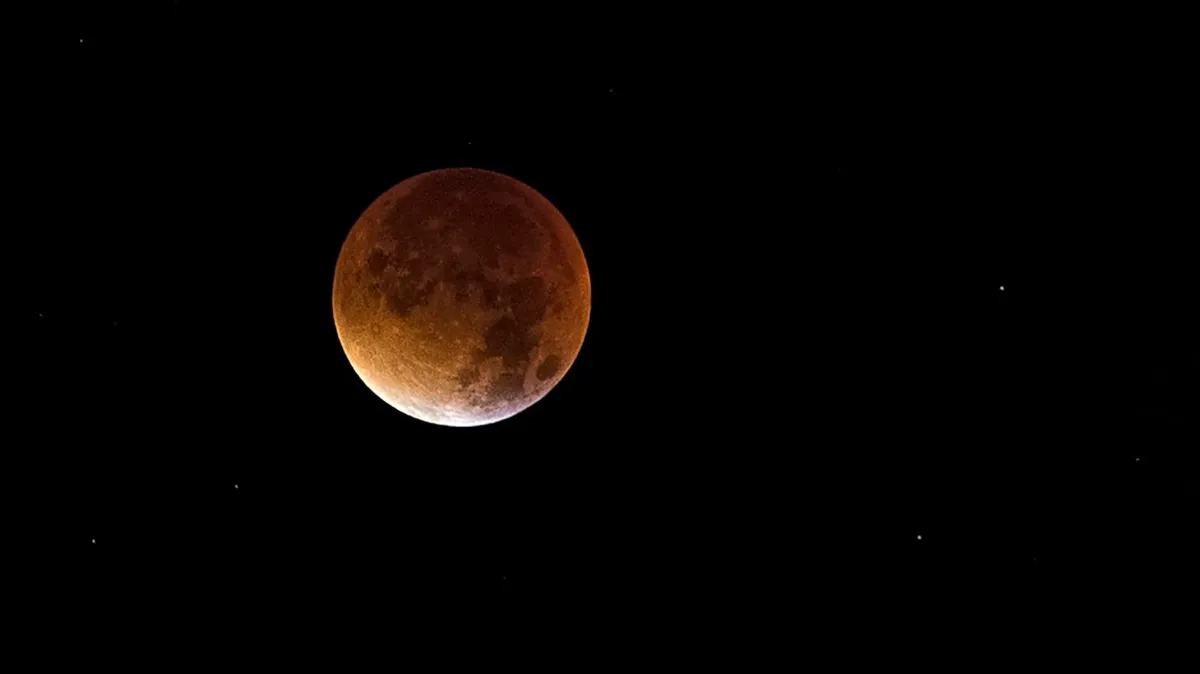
x=803, y=403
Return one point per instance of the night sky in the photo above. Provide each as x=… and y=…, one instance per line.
x=893, y=346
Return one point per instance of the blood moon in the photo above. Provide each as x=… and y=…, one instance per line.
x=461, y=297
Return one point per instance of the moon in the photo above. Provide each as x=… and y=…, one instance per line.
x=461, y=297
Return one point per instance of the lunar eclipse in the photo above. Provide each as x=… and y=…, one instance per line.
x=461, y=297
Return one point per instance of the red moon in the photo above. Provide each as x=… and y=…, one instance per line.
x=461, y=297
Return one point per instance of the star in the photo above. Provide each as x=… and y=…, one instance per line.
x=1137, y=460
x=93, y=541
x=918, y=538
x=235, y=486
x=610, y=91
x=1001, y=288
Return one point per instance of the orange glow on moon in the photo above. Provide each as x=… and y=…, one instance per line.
x=461, y=297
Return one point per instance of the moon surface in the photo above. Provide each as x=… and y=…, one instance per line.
x=461, y=297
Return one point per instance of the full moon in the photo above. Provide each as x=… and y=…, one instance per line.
x=461, y=297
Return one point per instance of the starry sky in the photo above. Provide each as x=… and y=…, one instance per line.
x=898, y=346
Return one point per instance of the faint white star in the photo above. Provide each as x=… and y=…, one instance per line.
x=918, y=538
x=235, y=486
x=1001, y=288
x=1137, y=460
x=93, y=541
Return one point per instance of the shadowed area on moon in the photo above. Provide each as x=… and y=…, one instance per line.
x=461, y=296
